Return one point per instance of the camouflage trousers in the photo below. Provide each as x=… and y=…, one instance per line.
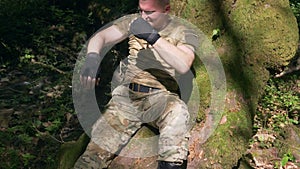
x=128, y=110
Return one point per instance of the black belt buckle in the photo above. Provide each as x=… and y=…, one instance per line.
x=141, y=88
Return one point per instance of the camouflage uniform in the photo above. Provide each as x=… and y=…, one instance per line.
x=128, y=109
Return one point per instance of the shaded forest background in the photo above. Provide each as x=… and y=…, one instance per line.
x=39, y=44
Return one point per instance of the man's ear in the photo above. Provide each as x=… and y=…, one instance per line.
x=167, y=8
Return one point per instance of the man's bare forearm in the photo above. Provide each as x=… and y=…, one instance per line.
x=95, y=44
x=179, y=57
x=108, y=36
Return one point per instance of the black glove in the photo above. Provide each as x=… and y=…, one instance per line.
x=143, y=30
x=91, y=65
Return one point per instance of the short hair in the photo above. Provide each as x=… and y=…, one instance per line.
x=161, y=2
x=164, y=2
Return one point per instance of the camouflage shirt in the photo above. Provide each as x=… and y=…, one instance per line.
x=145, y=66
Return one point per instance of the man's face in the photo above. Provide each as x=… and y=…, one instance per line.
x=153, y=12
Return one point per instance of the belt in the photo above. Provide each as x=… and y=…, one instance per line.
x=141, y=88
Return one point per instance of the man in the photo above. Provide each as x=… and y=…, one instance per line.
x=161, y=48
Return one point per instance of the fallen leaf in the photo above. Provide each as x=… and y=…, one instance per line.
x=223, y=120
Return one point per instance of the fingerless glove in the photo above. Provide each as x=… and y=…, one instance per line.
x=143, y=30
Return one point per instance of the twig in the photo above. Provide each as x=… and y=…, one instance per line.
x=63, y=52
x=48, y=66
x=46, y=134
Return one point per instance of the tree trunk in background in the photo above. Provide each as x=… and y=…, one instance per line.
x=255, y=36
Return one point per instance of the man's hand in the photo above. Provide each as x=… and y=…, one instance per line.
x=143, y=30
x=89, y=70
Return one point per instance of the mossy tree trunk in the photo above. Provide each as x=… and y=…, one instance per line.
x=256, y=36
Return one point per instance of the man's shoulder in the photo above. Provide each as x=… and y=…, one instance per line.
x=181, y=23
x=179, y=27
x=123, y=22
x=182, y=31
x=126, y=18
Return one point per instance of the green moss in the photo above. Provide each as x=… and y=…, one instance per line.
x=70, y=151
x=199, y=13
x=228, y=138
x=260, y=27
x=204, y=87
x=146, y=132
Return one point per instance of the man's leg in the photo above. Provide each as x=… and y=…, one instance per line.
x=174, y=128
x=109, y=134
x=94, y=157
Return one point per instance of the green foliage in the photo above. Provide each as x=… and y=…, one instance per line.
x=216, y=33
x=27, y=57
x=108, y=10
x=39, y=44
x=17, y=27
x=295, y=5
x=27, y=157
x=280, y=104
x=286, y=158
x=35, y=134
x=50, y=32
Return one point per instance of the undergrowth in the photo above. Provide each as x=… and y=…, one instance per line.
x=280, y=104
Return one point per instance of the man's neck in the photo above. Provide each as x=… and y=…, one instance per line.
x=165, y=23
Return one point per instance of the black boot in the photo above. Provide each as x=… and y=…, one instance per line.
x=171, y=165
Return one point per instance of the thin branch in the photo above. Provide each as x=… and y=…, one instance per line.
x=46, y=134
x=48, y=66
